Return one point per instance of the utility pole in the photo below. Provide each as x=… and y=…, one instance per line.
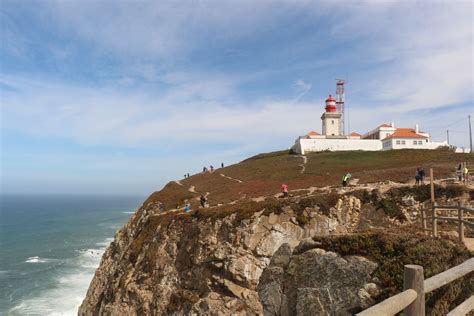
x=447, y=135
x=470, y=133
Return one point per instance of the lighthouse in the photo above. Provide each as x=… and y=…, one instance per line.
x=331, y=118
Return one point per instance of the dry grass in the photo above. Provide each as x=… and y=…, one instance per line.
x=262, y=175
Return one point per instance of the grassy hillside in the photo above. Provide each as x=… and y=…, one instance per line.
x=262, y=175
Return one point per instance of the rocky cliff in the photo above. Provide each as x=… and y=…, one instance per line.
x=304, y=255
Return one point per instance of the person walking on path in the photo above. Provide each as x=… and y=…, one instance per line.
x=212, y=168
x=465, y=173
x=417, y=176
x=345, y=179
x=203, y=200
x=459, y=172
x=422, y=175
x=187, y=207
x=284, y=189
x=222, y=165
x=204, y=169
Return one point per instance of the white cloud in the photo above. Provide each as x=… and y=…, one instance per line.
x=186, y=113
x=425, y=52
x=418, y=57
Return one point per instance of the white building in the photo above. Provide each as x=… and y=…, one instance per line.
x=384, y=137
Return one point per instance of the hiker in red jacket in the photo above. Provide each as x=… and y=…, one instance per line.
x=284, y=189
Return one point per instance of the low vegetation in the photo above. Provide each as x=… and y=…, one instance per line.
x=262, y=175
x=393, y=250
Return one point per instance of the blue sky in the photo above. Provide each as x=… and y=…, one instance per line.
x=121, y=96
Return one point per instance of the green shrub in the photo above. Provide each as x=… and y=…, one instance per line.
x=391, y=208
x=454, y=191
x=323, y=201
x=392, y=251
x=363, y=195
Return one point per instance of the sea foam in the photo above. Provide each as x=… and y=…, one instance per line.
x=36, y=259
x=71, y=286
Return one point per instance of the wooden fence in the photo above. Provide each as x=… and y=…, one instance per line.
x=461, y=219
x=412, y=299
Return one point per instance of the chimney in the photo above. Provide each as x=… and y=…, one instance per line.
x=416, y=128
x=392, y=125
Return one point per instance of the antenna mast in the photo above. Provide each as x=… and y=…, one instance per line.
x=340, y=101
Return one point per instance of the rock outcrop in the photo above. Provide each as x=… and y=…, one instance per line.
x=261, y=259
x=316, y=282
x=170, y=263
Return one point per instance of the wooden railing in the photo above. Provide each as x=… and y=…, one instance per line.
x=412, y=299
x=461, y=219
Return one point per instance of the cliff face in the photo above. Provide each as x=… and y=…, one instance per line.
x=251, y=252
x=161, y=264
x=264, y=257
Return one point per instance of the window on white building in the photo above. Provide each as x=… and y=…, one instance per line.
x=420, y=142
x=332, y=122
x=398, y=142
x=403, y=142
x=415, y=142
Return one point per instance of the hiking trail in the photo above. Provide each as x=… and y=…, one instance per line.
x=227, y=177
x=303, y=167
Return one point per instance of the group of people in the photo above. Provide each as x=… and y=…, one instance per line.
x=462, y=173
x=345, y=183
x=187, y=205
x=205, y=169
x=211, y=168
x=420, y=176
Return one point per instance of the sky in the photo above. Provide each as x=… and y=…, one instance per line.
x=120, y=97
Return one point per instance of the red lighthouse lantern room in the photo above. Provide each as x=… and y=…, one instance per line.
x=331, y=104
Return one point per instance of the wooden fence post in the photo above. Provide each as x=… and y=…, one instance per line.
x=433, y=213
x=432, y=186
x=413, y=279
x=423, y=221
x=460, y=222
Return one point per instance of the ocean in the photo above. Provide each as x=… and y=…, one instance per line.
x=50, y=246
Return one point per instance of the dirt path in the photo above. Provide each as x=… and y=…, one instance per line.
x=303, y=167
x=192, y=189
x=178, y=182
x=469, y=242
x=227, y=177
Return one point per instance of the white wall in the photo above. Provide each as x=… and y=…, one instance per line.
x=331, y=126
x=409, y=144
x=462, y=150
x=387, y=144
x=302, y=146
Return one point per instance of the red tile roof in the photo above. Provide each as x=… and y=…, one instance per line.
x=313, y=133
x=355, y=134
x=405, y=133
x=384, y=125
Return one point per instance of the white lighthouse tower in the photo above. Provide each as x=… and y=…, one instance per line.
x=331, y=119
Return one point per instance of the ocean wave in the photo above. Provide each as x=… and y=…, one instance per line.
x=71, y=285
x=128, y=212
x=36, y=259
